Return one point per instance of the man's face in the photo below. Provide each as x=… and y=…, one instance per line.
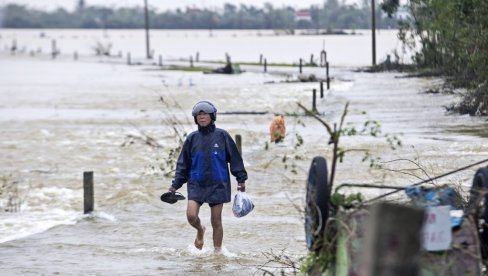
x=203, y=119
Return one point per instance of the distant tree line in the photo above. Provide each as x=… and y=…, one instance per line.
x=331, y=15
x=453, y=37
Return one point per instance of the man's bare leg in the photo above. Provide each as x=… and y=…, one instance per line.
x=218, y=231
x=192, y=210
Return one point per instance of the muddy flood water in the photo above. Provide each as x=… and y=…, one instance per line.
x=60, y=118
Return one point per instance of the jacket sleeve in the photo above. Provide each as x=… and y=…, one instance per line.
x=183, y=165
x=235, y=160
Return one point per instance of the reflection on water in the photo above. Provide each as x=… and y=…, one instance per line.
x=60, y=118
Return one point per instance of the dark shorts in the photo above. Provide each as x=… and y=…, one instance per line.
x=210, y=204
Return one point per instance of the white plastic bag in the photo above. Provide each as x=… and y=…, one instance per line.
x=242, y=204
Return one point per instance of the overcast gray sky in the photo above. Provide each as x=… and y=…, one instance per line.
x=165, y=4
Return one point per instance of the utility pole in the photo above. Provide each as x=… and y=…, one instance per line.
x=146, y=17
x=373, y=30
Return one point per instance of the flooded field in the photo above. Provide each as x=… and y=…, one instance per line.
x=62, y=117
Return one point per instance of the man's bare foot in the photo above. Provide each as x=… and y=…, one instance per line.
x=199, y=238
x=217, y=250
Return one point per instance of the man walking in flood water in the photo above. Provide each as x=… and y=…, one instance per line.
x=203, y=164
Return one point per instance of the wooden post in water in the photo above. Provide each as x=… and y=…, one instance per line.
x=327, y=74
x=197, y=57
x=392, y=240
x=227, y=58
x=265, y=65
x=160, y=61
x=261, y=59
x=53, y=48
x=13, y=48
x=311, y=59
x=239, y=143
x=314, y=101
x=128, y=59
x=321, y=89
x=191, y=61
x=88, y=192
x=323, y=58
x=300, y=66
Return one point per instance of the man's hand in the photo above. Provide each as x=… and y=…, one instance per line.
x=241, y=187
x=171, y=189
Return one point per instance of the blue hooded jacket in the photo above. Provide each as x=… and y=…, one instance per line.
x=203, y=164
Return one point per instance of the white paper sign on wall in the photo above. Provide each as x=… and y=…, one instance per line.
x=436, y=232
